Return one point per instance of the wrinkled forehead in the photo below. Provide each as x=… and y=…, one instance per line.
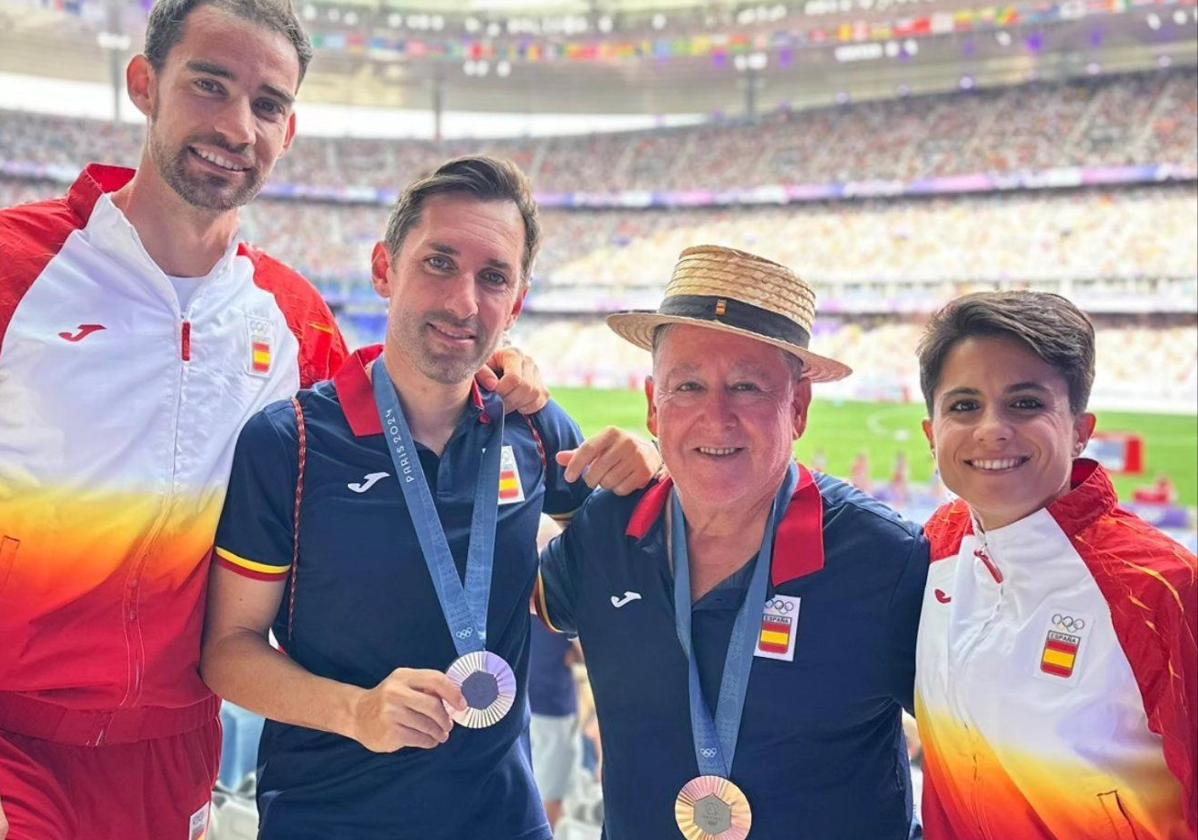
x=683, y=349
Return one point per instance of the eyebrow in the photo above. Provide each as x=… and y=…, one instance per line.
x=450, y=251
x=974, y=392
x=221, y=72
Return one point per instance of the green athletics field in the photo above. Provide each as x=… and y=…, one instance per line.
x=840, y=430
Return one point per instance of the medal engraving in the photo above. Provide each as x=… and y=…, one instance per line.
x=713, y=815
x=480, y=690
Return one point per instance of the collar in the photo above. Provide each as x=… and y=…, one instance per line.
x=95, y=180
x=356, y=394
x=798, y=545
x=1092, y=496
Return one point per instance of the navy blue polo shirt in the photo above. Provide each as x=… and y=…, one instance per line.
x=365, y=605
x=821, y=753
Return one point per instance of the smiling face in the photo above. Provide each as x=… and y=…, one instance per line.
x=454, y=286
x=220, y=108
x=1002, y=429
x=727, y=411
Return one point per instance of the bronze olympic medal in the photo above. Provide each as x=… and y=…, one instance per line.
x=712, y=808
x=489, y=686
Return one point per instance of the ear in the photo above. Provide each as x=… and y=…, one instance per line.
x=517, y=308
x=290, y=133
x=651, y=420
x=1083, y=430
x=141, y=82
x=799, y=406
x=927, y=433
x=380, y=269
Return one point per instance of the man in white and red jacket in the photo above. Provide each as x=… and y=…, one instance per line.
x=137, y=334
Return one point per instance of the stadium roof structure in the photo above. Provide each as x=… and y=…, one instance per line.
x=649, y=57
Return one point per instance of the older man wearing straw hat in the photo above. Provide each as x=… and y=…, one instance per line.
x=749, y=627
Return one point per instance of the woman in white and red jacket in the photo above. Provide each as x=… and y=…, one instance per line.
x=1057, y=670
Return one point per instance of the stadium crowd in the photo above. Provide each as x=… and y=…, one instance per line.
x=913, y=252
x=1109, y=121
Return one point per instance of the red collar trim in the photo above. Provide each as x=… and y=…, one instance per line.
x=95, y=180
x=356, y=393
x=1093, y=496
x=798, y=547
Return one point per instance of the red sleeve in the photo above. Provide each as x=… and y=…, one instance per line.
x=1149, y=583
x=31, y=235
x=322, y=347
x=946, y=529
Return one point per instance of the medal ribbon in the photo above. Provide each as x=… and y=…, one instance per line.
x=464, y=608
x=715, y=739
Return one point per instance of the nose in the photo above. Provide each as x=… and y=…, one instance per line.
x=719, y=410
x=235, y=123
x=992, y=427
x=460, y=298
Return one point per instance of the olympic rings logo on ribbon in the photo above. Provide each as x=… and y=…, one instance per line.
x=465, y=633
x=1074, y=625
x=707, y=752
x=780, y=605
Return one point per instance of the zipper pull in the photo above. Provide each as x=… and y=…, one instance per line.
x=989, y=564
x=185, y=350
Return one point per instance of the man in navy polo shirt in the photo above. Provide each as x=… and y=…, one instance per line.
x=749, y=628
x=328, y=540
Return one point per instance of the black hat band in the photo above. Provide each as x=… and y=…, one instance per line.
x=736, y=313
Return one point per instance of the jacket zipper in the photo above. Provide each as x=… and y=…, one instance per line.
x=185, y=350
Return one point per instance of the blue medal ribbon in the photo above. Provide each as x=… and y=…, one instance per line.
x=465, y=608
x=715, y=738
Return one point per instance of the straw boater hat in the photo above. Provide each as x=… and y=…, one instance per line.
x=739, y=293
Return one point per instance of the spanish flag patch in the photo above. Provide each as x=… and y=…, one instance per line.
x=511, y=491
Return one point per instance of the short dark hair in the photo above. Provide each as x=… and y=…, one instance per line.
x=1047, y=324
x=164, y=29
x=481, y=177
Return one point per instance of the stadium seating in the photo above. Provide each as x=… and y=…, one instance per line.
x=1139, y=119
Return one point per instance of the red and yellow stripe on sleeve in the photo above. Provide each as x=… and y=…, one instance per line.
x=541, y=604
x=250, y=568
